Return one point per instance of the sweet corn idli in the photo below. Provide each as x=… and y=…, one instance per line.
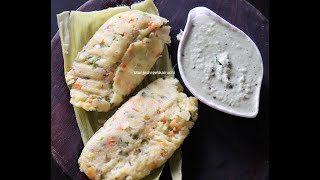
x=102, y=74
x=142, y=134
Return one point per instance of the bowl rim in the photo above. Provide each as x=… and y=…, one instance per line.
x=205, y=11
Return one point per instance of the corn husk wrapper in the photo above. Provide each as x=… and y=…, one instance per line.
x=76, y=29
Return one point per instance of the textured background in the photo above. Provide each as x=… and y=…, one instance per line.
x=57, y=6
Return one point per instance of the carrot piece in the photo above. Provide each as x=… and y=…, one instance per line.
x=175, y=126
x=78, y=85
x=89, y=101
x=163, y=121
x=111, y=142
x=91, y=173
x=135, y=109
x=171, y=133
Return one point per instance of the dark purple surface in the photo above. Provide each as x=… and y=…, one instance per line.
x=220, y=146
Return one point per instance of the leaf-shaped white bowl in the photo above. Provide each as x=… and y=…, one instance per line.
x=256, y=95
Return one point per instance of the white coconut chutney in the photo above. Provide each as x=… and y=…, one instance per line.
x=222, y=64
